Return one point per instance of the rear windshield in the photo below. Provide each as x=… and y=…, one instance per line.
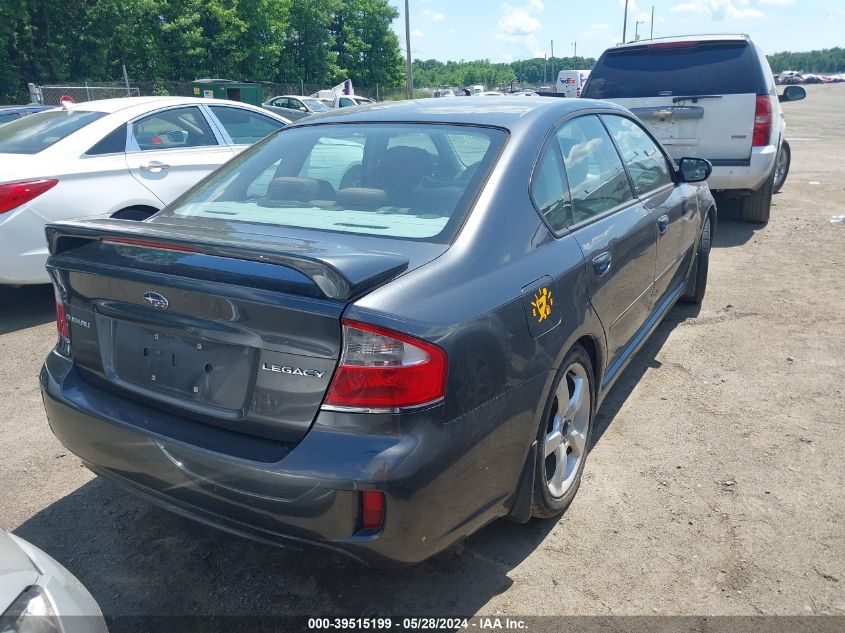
x=39, y=131
x=698, y=69
x=413, y=181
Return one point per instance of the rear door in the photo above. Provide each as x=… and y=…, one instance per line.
x=698, y=98
x=616, y=232
x=170, y=150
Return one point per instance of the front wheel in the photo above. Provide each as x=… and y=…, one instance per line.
x=782, y=166
x=564, y=436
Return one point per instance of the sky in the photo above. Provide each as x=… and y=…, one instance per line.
x=521, y=29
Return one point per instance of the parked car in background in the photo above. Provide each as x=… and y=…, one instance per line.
x=789, y=77
x=294, y=107
x=710, y=96
x=37, y=594
x=379, y=331
x=125, y=158
x=12, y=113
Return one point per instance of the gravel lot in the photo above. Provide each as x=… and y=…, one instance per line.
x=715, y=485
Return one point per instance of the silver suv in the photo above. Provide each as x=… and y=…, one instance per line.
x=707, y=96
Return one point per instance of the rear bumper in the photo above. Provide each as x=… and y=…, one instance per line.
x=744, y=174
x=441, y=481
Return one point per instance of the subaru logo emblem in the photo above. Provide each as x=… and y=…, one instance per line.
x=156, y=300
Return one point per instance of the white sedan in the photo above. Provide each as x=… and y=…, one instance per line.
x=125, y=158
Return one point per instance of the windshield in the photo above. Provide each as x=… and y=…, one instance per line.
x=700, y=68
x=315, y=106
x=39, y=131
x=413, y=181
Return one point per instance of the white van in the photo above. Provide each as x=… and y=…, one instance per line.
x=570, y=82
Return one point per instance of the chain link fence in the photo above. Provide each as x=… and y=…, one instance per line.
x=91, y=91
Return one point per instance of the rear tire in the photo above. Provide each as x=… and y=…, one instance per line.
x=697, y=282
x=782, y=166
x=564, y=436
x=757, y=207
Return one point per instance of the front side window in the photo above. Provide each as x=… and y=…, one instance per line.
x=243, y=126
x=34, y=133
x=172, y=129
x=373, y=179
x=646, y=163
x=597, y=178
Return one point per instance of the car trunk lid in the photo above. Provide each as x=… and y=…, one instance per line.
x=240, y=330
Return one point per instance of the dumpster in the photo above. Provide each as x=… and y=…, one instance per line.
x=244, y=91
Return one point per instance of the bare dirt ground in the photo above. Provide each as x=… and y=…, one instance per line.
x=715, y=485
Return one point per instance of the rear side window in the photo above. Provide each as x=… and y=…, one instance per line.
x=245, y=127
x=548, y=191
x=37, y=132
x=597, y=179
x=702, y=68
x=114, y=143
x=646, y=163
x=396, y=180
x=173, y=129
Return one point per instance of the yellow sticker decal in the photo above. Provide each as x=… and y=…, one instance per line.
x=542, y=304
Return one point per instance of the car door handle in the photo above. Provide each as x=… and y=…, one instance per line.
x=154, y=167
x=601, y=264
x=662, y=224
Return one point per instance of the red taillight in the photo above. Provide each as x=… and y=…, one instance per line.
x=372, y=510
x=762, y=121
x=664, y=45
x=383, y=369
x=14, y=194
x=129, y=241
x=61, y=315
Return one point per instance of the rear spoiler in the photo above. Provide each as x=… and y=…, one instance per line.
x=340, y=272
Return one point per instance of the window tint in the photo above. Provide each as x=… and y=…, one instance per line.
x=243, y=126
x=700, y=69
x=548, y=191
x=31, y=134
x=646, y=163
x=597, y=179
x=373, y=179
x=171, y=129
x=114, y=143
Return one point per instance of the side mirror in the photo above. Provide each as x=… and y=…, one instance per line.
x=303, y=109
x=694, y=169
x=793, y=93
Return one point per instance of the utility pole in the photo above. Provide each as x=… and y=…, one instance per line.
x=624, y=24
x=651, y=36
x=409, y=90
x=545, y=67
x=575, y=50
x=637, y=29
x=554, y=77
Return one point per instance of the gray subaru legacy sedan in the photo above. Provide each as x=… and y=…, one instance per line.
x=379, y=329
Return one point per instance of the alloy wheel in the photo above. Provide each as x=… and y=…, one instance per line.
x=565, y=445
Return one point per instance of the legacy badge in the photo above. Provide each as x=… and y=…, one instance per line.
x=294, y=371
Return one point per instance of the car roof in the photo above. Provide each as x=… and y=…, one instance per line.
x=115, y=105
x=504, y=112
x=707, y=37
